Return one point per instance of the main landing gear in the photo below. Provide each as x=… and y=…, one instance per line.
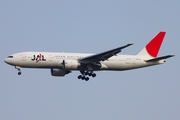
x=86, y=73
x=19, y=70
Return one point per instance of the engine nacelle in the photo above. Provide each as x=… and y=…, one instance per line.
x=58, y=72
x=71, y=64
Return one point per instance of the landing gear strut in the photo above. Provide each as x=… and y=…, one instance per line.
x=19, y=70
x=86, y=73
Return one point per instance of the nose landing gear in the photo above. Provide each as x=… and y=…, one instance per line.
x=19, y=70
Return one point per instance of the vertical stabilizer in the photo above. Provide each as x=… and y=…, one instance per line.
x=151, y=50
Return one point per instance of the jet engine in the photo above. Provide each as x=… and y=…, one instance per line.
x=65, y=67
x=59, y=72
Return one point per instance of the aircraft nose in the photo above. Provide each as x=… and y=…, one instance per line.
x=6, y=60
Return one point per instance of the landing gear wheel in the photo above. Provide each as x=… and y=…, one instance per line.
x=19, y=73
x=86, y=78
x=90, y=74
x=83, y=78
x=93, y=75
x=86, y=73
x=79, y=77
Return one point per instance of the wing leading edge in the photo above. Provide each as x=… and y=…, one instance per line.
x=102, y=56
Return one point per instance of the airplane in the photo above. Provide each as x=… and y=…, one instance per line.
x=61, y=64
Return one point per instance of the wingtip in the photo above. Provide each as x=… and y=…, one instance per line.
x=130, y=44
x=172, y=55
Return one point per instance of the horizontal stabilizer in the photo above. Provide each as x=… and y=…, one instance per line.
x=159, y=58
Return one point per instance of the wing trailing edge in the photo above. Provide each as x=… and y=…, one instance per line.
x=103, y=56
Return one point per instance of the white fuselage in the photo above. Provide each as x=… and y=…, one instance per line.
x=61, y=64
x=54, y=60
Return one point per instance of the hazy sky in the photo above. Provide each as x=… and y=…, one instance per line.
x=89, y=26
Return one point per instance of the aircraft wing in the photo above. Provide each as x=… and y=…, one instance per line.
x=102, y=56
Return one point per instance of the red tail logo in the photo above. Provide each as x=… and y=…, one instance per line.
x=154, y=45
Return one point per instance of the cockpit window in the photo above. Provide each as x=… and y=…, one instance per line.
x=10, y=56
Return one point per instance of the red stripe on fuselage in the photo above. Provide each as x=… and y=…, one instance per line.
x=40, y=56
